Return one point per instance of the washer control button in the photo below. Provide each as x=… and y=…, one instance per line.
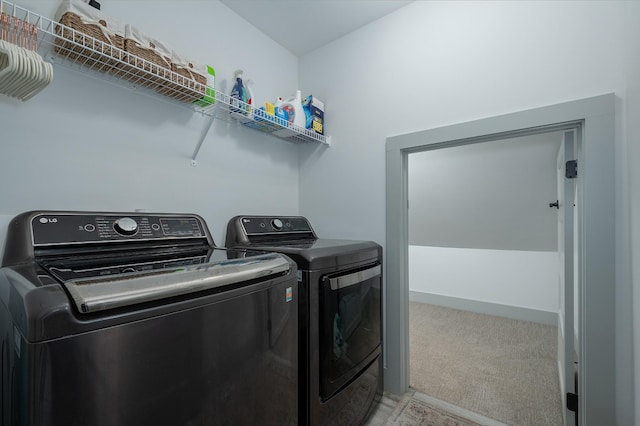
x=89, y=227
x=277, y=224
x=125, y=226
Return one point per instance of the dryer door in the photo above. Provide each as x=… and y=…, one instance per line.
x=350, y=325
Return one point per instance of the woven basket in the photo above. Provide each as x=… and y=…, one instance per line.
x=152, y=65
x=96, y=51
x=150, y=59
x=188, y=84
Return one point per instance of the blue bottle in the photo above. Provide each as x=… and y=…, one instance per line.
x=238, y=93
x=306, y=106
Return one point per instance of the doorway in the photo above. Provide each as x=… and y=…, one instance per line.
x=483, y=241
x=594, y=118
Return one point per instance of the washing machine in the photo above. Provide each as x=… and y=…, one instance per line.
x=340, y=315
x=116, y=319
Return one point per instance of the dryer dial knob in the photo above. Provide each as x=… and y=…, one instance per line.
x=125, y=226
x=277, y=224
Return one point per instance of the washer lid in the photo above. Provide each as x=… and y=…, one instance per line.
x=95, y=294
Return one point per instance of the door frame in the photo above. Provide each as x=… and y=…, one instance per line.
x=567, y=223
x=595, y=117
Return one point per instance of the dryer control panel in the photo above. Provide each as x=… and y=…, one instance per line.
x=263, y=225
x=245, y=230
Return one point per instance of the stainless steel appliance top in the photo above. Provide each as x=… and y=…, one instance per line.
x=113, y=260
x=294, y=236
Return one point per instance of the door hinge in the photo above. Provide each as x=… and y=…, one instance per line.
x=571, y=169
x=572, y=402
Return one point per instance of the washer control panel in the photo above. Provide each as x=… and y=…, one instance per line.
x=125, y=226
x=65, y=228
x=278, y=225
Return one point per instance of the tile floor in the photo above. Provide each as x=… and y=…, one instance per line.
x=383, y=410
x=389, y=402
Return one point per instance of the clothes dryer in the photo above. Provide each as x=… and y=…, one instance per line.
x=340, y=315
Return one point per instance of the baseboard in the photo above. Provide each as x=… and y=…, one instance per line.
x=513, y=312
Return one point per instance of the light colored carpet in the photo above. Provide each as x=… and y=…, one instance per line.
x=501, y=368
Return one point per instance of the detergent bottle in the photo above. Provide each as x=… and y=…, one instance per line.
x=238, y=93
x=306, y=106
x=281, y=115
x=210, y=94
x=293, y=106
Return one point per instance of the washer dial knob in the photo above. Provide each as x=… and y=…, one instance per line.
x=125, y=226
x=277, y=224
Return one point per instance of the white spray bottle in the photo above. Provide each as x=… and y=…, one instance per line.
x=251, y=101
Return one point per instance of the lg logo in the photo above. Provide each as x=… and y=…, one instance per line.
x=48, y=220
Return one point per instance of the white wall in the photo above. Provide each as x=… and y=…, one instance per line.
x=437, y=63
x=89, y=145
x=525, y=279
x=489, y=195
x=481, y=214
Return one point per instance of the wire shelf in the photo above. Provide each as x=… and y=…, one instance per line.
x=74, y=49
x=227, y=108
